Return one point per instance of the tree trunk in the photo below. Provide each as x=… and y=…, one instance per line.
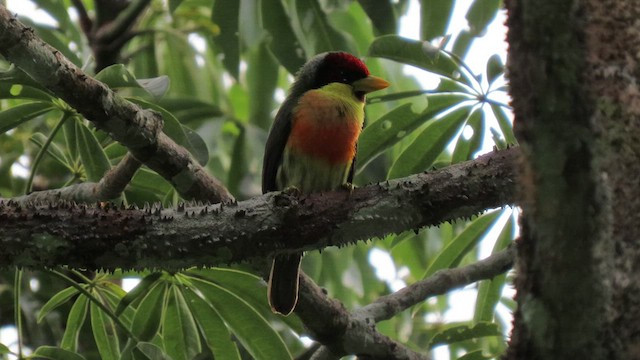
x=574, y=79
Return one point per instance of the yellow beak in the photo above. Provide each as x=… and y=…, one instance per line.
x=369, y=84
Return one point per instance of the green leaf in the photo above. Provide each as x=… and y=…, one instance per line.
x=157, y=86
x=104, y=333
x=146, y=321
x=396, y=124
x=239, y=163
x=93, y=157
x=189, y=110
x=179, y=331
x=55, y=353
x=319, y=34
x=53, y=149
x=453, y=253
x=117, y=76
x=173, y=5
x=69, y=130
x=504, y=123
x=152, y=351
x=137, y=292
x=4, y=350
x=480, y=14
x=212, y=327
x=250, y=288
x=252, y=330
x=420, y=54
x=489, y=291
x=464, y=332
x=429, y=144
x=476, y=355
x=262, y=78
x=283, y=42
x=382, y=15
x=466, y=148
x=19, y=114
x=56, y=300
x=226, y=15
x=75, y=320
x=495, y=68
x=18, y=91
x=177, y=132
x=462, y=43
x=435, y=16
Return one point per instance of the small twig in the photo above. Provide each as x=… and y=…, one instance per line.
x=342, y=332
x=441, y=282
x=122, y=22
x=110, y=186
x=115, y=181
x=85, y=21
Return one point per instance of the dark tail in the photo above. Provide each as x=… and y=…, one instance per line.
x=283, y=283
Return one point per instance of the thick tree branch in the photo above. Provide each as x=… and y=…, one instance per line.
x=342, y=333
x=218, y=234
x=137, y=129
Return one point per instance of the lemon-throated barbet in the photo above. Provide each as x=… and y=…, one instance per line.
x=312, y=145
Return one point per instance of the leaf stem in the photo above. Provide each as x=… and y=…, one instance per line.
x=93, y=299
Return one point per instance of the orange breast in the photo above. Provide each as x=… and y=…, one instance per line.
x=334, y=142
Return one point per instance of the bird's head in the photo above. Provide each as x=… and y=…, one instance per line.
x=337, y=67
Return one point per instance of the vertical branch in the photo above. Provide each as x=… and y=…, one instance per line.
x=563, y=290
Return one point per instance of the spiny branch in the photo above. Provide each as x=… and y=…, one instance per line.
x=109, y=237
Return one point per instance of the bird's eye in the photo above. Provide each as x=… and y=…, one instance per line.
x=343, y=76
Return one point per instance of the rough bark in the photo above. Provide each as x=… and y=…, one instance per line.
x=574, y=73
x=109, y=237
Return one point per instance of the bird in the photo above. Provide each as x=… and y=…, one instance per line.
x=312, y=145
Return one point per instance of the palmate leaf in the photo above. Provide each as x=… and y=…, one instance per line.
x=318, y=33
x=429, y=144
x=420, y=54
x=396, y=124
x=489, y=291
x=283, y=42
x=180, y=134
x=453, y=253
x=226, y=15
x=75, y=320
x=94, y=159
x=213, y=329
x=495, y=68
x=435, y=17
x=17, y=115
x=466, y=148
x=504, y=123
x=151, y=351
x=249, y=287
x=104, y=333
x=58, y=299
x=117, y=76
x=382, y=15
x=481, y=14
x=179, y=332
x=464, y=332
x=55, y=353
x=146, y=321
x=249, y=327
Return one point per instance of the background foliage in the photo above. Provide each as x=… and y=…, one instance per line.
x=217, y=71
